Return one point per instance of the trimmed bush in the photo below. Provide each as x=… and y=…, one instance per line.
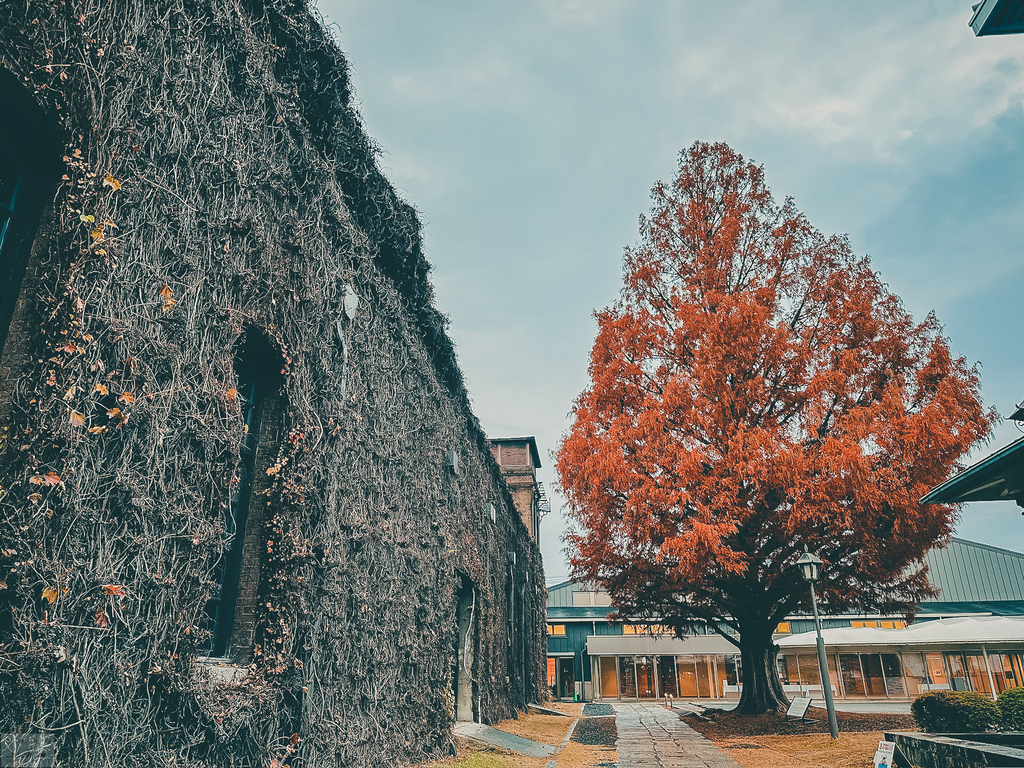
x=955, y=712
x=1011, y=709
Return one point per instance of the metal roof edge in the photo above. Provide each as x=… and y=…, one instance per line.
x=1002, y=453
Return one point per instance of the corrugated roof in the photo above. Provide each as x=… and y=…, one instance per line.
x=967, y=572
x=967, y=630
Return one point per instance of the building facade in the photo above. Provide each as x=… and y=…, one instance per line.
x=519, y=460
x=247, y=516
x=970, y=637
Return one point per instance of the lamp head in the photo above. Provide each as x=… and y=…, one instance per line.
x=810, y=566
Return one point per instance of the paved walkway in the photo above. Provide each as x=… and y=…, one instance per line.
x=651, y=735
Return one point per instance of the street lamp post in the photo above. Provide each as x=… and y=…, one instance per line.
x=810, y=567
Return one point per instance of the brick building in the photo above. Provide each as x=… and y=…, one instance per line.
x=519, y=460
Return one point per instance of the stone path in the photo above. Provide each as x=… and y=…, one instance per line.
x=651, y=735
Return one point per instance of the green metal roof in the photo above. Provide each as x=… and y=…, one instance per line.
x=998, y=17
x=994, y=607
x=999, y=477
x=969, y=572
x=579, y=612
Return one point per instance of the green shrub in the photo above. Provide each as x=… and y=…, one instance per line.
x=955, y=712
x=1011, y=709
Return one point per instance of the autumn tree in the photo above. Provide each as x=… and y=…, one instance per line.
x=757, y=390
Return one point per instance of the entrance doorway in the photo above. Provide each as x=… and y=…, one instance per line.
x=646, y=688
x=566, y=678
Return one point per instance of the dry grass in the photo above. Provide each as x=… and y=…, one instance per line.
x=585, y=756
x=850, y=750
x=547, y=729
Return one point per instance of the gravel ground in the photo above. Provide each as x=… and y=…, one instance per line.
x=596, y=731
x=725, y=725
x=598, y=710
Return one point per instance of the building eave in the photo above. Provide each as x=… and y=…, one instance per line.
x=998, y=17
x=999, y=477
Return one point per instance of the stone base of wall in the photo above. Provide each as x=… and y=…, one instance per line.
x=958, y=750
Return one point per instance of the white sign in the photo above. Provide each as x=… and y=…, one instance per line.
x=884, y=754
x=799, y=707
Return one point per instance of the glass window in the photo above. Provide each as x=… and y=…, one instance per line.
x=609, y=680
x=556, y=630
x=874, y=683
x=686, y=669
x=893, y=672
x=977, y=673
x=703, y=664
x=667, y=672
x=733, y=670
x=783, y=628
x=957, y=672
x=916, y=673
x=938, y=678
x=627, y=677
x=566, y=678
x=852, y=676
x=784, y=664
x=1002, y=671
x=810, y=672
x=646, y=687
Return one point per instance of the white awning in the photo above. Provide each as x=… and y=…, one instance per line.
x=658, y=645
x=990, y=631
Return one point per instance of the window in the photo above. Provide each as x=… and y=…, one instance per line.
x=257, y=367
x=863, y=623
x=783, y=628
x=29, y=168
x=556, y=630
x=646, y=629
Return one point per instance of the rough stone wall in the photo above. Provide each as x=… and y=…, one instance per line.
x=218, y=182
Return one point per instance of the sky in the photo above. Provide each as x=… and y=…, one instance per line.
x=529, y=134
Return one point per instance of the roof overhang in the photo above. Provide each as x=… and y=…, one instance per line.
x=975, y=631
x=530, y=440
x=998, y=17
x=997, y=478
x=658, y=645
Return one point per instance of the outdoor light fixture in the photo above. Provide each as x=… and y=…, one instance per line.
x=810, y=569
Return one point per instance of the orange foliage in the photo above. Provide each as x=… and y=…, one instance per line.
x=758, y=389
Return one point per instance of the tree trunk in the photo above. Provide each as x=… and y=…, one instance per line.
x=762, y=689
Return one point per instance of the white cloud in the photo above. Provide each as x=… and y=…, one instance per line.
x=476, y=80
x=578, y=12
x=869, y=89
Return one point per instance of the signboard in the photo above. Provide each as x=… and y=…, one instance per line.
x=884, y=754
x=799, y=708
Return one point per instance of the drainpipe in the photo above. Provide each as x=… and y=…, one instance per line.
x=988, y=668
